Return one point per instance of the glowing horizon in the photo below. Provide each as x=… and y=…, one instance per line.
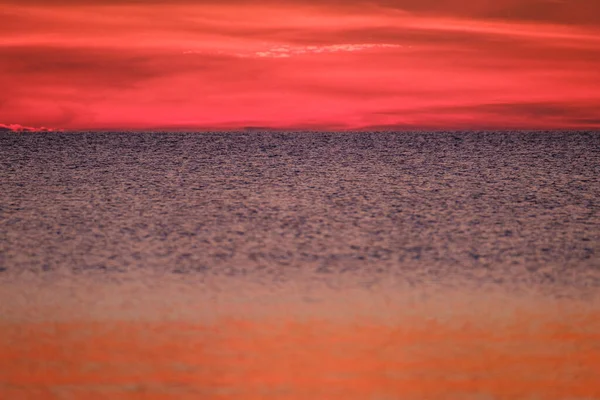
x=401, y=64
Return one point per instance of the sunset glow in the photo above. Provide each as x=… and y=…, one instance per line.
x=400, y=64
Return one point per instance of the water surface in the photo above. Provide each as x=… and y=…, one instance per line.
x=300, y=265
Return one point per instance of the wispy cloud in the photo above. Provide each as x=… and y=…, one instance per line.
x=286, y=51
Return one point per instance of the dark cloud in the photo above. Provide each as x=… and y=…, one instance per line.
x=526, y=115
x=82, y=74
x=587, y=121
x=80, y=65
x=558, y=11
x=540, y=111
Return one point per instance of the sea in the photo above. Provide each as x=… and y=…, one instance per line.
x=300, y=265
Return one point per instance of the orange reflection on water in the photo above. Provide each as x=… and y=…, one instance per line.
x=257, y=358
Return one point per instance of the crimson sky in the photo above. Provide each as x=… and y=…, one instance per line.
x=300, y=64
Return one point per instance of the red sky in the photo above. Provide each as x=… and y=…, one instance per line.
x=300, y=64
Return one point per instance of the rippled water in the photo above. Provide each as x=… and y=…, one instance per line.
x=379, y=265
